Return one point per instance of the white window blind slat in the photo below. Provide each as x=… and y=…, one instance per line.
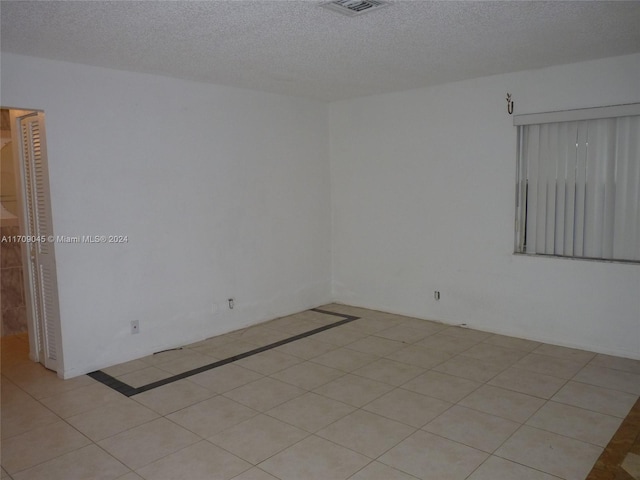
x=581, y=181
x=543, y=189
x=570, y=188
x=561, y=186
x=531, y=151
x=551, y=174
x=594, y=189
x=609, y=186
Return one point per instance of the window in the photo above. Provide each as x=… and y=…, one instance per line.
x=578, y=190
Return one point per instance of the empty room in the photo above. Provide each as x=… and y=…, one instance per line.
x=300, y=239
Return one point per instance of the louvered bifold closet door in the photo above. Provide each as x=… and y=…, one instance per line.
x=44, y=290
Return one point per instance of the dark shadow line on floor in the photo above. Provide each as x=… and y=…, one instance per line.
x=128, y=390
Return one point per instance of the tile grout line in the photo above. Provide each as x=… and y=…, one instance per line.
x=128, y=390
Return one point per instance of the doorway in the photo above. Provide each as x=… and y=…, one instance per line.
x=13, y=319
x=34, y=235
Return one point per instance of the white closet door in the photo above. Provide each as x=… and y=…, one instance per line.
x=42, y=271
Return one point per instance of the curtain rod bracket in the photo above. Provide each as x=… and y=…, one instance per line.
x=509, y=104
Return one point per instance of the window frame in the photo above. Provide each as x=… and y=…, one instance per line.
x=522, y=185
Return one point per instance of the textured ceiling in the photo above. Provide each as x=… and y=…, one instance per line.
x=297, y=48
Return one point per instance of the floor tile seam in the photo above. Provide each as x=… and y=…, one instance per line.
x=342, y=401
x=545, y=401
x=271, y=415
x=525, y=393
x=307, y=435
x=307, y=390
x=430, y=369
x=380, y=355
x=485, y=382
x=589, y=409
x=442, y=399
x=257, y=465
x=21, y=405
x=174, y=373
x=406, y=342
x=486, y=340
x=488, y=359
x=585, y=356
x=627, y=372
x=566, y=436
x=373, y=459
x=449, y=357
x=59, y=418
x=200, y=440
x=421, y=427
x=458, y=404
x=363, y=408
x=395, y=467
x=555, y=357
x=116, y=459
x=304, y=392
x=637, y=395
x=523, y=464
x=129, y=391
x=443, y=333
x=136, y=469
x=550, y=374
x=535, y=372
x=411, y=477
x=369, y=412
x=128, y=429
x=187, y=350
x=497, y=415
x=335, y=368
x=551, y=400
x=503, y=457
x=354, y=372
x=613, y=368
x=255, y=414
x=439, y=435
x=573, y=378
x=20, y=382
x=163, y=415
x=91, y=442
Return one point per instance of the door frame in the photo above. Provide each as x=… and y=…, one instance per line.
x=37, y=352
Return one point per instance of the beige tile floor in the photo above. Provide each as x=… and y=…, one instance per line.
x=383, y=397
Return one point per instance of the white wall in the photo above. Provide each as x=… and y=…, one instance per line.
x=423, y=194
x=222, y=192
x=228, y=192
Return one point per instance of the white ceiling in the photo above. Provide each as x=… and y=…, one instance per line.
x=297, y=48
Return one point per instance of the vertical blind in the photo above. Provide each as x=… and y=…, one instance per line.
x=579, y=188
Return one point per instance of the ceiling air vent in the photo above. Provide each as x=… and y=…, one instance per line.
x=354, y=7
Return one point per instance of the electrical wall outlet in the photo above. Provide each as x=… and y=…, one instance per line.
x=135, y=326
x=436, y=294
x=231, y=303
